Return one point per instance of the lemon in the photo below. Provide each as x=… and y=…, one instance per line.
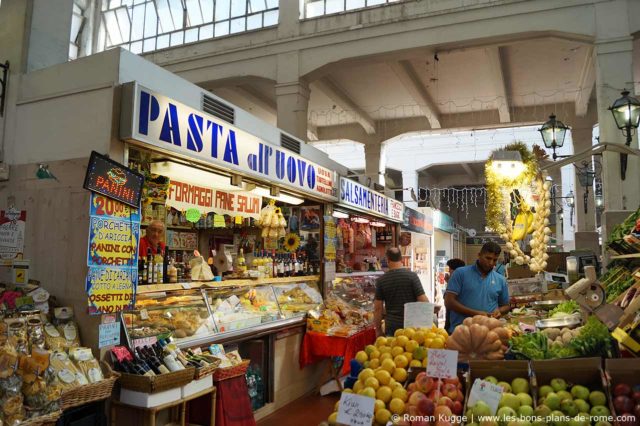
x=374, y=354
x=335, y=407
x=372, y=382
x=358, y=386
x=401, y=361
x=384, y=394
x=442, y=332
x=384, y=349
x=388, y=365
x=415, y=363
x=381, y=341
x=411, y=346
x=402, y=341
x=370, y=392
x=347, y=390
x=361, y=357
x=396, y=406
x=383, y=376
x=374, y=363
x=369, y=348
x=333, y=418
x=392, y=383
x=386, y=355
x=391, y=342
x=428, y=342
x=408, y=356
x=424, y=362
x=398, y=332
x=365, y=374
x=438, y=343
x=399, y=393
x=379, y=405
x=431, y=335
x=419, y=337
x=397, y=350
x=409, y=332
x=400, y=375
x=382, y=416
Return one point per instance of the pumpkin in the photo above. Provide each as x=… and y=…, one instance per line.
x=479, y=337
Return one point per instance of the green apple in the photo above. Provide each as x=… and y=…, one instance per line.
x=599, y=411
x=506, y=387
x=564, y=395
x=602, y=423
x=519, y=385
x=558, y=384
x=525, y=411
x=505, y=415
x=472, y=424
x=525, y=399
x=488, y=423
x=579, y=421
x=481, y=409
x=542, y=411
x=583, y=406
x=597, y=398
x=580, y=392
x=558, y=418
x=509, y=400
x=568, y=407
x=552, y=401
x=545, y=390
x=491, y=379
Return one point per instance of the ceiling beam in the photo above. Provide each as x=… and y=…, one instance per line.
x=255, y=97
x=469, y=171
x=586, y=83
x=498, y=71
x=312, y=132
x=331, y=89
x=409, y=78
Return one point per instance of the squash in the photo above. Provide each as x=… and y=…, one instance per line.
x=475, y=342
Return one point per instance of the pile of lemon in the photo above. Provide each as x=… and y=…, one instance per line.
x=385, y=367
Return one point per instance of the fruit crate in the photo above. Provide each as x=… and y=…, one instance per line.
x=577, y=371
x=503, y=371
x=621, y=371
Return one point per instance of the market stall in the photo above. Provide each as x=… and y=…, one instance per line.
x=415, y=243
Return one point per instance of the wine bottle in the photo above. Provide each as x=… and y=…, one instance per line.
x=141, y=357
x=149, y=266
x=165, y=265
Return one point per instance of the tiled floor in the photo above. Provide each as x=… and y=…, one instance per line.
x=306, y=411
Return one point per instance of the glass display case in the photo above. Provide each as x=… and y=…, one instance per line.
x=181, y=314
x=297, y=299
x=236, y=309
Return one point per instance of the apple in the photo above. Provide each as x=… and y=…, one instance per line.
x=488, y=423
x=564, y=395
x=481, y=409
x=453, y=380
x=425, y=384
x=442, y=412
x=552, y=401
x=622, y=389
x=582, y=405
x=450, y=390
x=569, y=407
x=442, y=423
x=446, y=401
x=542, y=411
x=580, y=392
x=525, y=411
x=602, y=423
x=545, y=390
x=491, y=379
x=597, y=398
x=434, y=394
x=558, y=384
x=636, y=411
x=509, y=400
x=459, y=396
x=636, y=396
x=506, y=387
x=416, y=397
x=525, y=399
x=520, y=385
x=426, y=407
x=457, y=408
x=600, y=411
x=623, y=404
x=577, y=421
x=505, y=414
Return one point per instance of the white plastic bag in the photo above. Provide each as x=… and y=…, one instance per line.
x=200, y=270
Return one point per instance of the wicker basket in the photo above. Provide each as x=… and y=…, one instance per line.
x=92, y=392
x=161, y=382
x=205, y=371
x=49, y=419
x=230, y=372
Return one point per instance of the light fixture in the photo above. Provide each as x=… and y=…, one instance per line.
x=236, y=180
x=553, y=133
x=193, y=175
x=285, y=198
x=587, y=173
x=599, y=201
x=376, y=224
x=340, y=214
x=359, y=219
x=571, y=199
x=507, y=164
x=626, y=113
x=412, y=193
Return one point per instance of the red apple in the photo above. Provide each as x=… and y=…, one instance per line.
x=636, y=396
x=411, y=387
x=452, y=380
x=416, y=397
x=442, y=412
x=457, y=408
x=446, y=401
x=442, y=423
x=450, y=390
x=622, y=389
x=426, y=407
x=419, y=423
x=459, y=396
x=413, y=410
x=425, y=384
x=434, y=395
x=623, y=404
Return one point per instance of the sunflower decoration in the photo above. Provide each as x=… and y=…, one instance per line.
x=506, y=200
x=291, y=242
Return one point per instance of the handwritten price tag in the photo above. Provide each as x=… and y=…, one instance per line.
x=355, y=410
x=486, y=392
x=442, y=363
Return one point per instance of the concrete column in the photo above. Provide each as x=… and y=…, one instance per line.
x=374, y=161
x=292, y=101
x=289, y=19
x=49, y=33
x=614, y=71
x=410, y=180
x=582, y=138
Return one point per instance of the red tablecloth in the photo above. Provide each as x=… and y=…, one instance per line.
x=317, y=346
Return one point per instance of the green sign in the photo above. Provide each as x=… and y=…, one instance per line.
x=193, y=215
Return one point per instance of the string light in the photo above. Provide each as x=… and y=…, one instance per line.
x=461, y=197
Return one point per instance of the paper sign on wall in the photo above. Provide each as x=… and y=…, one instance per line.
x=442, y=363
x=418, y=314
x=487, y=392
x=109, y=334
x=355, y=410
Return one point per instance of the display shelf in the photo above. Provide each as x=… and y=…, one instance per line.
x=154, y=288
x=183, y=228
x=625, y=256
x=358, y=274
x=182, y=248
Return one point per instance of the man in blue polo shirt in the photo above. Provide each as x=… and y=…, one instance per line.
x=477, y=289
